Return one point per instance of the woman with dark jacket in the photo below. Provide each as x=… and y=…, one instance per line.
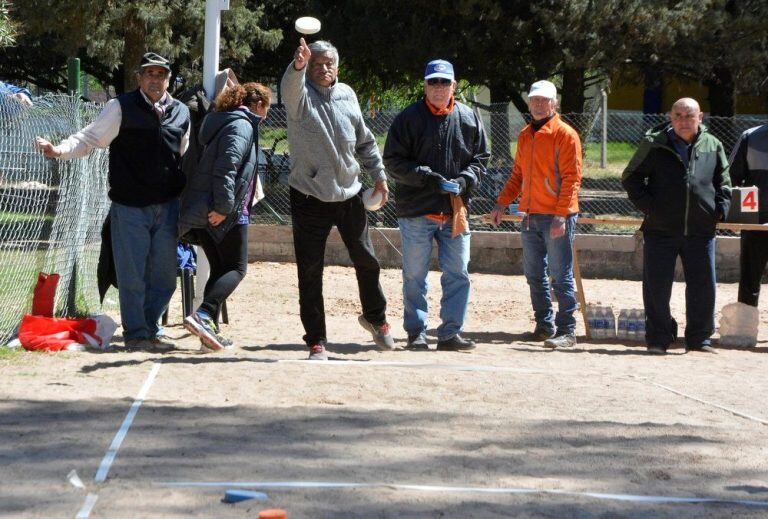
x=217, y=197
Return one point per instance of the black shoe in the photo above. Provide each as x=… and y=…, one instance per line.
x=655, y=349
x=539, y=334
x=705, y=348
x=455, y=343
x=566, y=340
x=417, y=343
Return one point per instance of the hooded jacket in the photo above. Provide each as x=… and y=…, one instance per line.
x=226, y=169
x=677, y=201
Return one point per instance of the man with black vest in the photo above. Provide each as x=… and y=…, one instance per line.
x=147, y=132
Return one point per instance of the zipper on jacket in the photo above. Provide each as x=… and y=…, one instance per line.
x=688, y=175
x=530, y=172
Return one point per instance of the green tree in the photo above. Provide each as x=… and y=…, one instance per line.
x=110, y=37
x=8, y=28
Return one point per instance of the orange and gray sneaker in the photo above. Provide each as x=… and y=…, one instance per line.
x=381, y=334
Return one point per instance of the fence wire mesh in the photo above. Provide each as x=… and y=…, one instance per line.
x=51, y=212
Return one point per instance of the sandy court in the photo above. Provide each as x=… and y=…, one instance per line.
x=510, y=429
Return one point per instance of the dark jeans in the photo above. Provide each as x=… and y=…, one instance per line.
x=229, y=261
x=697, y=254
x=754, y=256
x=312, y=222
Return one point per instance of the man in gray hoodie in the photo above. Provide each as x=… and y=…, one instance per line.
x=327, y=136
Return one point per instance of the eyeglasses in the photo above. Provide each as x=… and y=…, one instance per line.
x=438, y=81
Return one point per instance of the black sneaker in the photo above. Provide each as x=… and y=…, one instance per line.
x=417, y=343
x=655, y=349
x=539, y=334
x=566, y=340
x=455, y=343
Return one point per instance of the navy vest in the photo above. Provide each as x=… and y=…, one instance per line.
x=144, y=159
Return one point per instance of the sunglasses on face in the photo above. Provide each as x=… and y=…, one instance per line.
x=438, y=81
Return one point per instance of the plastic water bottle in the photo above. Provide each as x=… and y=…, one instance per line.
x=601, y=323
x=610, y=322
x=632, y=325
x=621, y=332
x=641, y=325
x=592, y=319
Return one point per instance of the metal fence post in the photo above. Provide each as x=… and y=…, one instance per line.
x=604, y=132
x=73, y=76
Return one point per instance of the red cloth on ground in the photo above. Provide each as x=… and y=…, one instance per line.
x=51, y=334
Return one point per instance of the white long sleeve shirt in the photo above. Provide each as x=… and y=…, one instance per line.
x=101, y=132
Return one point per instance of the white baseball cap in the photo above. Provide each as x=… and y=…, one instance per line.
x=543, y=89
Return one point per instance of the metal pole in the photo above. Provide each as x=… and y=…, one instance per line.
x=604, y=136
x=213, y=10
x=73, y=76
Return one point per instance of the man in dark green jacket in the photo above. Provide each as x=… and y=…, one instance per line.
x=679, y=179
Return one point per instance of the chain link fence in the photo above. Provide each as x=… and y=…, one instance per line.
x=51, y=212
x=601, y=195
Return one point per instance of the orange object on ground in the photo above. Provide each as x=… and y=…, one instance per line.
x=45, y=293
x=38, y=333
x=273, y=513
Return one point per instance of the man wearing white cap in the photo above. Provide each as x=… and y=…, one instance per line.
x=547, y=176
x=436, y=152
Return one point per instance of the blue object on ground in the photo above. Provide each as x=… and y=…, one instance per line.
x=235, y=496
x=451, y=187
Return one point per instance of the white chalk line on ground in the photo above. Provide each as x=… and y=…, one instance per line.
x=85, y=511
x=117, y=441
x=452, y=489
x=701, y=401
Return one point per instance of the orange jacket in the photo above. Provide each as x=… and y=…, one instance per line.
x=547, y=170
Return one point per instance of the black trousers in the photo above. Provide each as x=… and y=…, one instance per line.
x=754, y=256
x=229, y=261
x=312, y=222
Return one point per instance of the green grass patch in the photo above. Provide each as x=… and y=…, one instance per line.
x=7, y=353
x=11, y=218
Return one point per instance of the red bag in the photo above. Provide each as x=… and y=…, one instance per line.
x=45, y=293
x=38, y=333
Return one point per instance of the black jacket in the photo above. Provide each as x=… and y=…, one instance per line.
x=677, y=201
x=749, y=165
x=421, y=144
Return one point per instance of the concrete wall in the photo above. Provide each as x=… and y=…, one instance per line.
x=605, y=257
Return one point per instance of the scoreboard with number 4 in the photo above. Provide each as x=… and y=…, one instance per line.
x=744, y=205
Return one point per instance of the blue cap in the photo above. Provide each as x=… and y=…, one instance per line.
x=439, y=68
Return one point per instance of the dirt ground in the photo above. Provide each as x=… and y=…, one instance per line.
x=510, y=429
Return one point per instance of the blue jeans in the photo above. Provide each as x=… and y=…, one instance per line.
x=453, y=257
x=144, y=249
x=697, y=254
x=540, y=252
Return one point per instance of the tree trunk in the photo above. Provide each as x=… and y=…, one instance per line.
x=572, y=95
x=721, y=90
x=134, y=48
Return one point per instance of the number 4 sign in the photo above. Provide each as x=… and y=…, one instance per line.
x=749, y=200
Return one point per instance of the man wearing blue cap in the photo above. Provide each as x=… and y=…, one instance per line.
x=436, y=151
